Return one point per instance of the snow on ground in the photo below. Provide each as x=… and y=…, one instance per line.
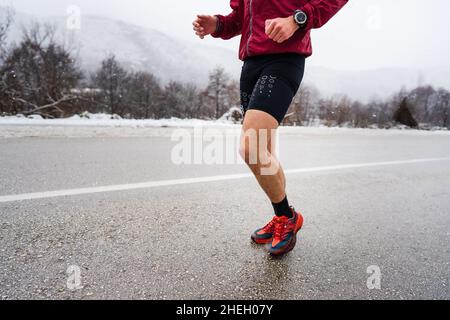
x=104, y=125
x=107, y=120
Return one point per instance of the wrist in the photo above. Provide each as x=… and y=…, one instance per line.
x=294, y=23
x=218, y=28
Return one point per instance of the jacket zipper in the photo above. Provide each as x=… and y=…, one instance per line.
x=251, y=27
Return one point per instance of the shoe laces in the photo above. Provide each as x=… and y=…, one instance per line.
x=271, y=225
x=282, y=228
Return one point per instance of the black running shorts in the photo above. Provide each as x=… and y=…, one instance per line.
x=270, y=82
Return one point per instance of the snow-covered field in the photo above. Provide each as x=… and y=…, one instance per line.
x=89, y=125
x=107, y=120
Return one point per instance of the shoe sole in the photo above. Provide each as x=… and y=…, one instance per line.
x=292, y=244
x=262, y=241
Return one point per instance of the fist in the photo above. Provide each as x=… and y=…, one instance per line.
x=281, y=29
x=204, y=25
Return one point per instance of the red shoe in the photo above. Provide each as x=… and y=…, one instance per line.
x=264, y=235
x=285, y=234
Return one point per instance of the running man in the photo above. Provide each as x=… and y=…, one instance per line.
x=275, y=41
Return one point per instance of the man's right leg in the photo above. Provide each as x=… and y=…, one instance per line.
x=257, y=142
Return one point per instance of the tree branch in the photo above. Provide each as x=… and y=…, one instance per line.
x=47, y=106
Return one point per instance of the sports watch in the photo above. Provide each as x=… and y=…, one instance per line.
x=300, y=18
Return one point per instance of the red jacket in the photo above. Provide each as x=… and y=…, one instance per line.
x=249, y=16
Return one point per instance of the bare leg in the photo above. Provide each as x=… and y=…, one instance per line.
x=256, y=149
x=272, y=150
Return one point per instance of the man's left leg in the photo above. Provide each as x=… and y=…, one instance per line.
x=258, y=143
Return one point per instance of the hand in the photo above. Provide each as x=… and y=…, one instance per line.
x=205, y=25
x=281, y=29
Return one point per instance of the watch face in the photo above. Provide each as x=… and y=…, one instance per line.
x=300, y=17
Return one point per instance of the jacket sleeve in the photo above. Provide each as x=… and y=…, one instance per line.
x=320, y=12
x=231, y=25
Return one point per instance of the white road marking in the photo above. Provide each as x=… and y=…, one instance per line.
x=164, y=183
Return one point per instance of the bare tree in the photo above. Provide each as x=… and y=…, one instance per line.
x=304, y=103
x=326, y=111
x=6, y=20
x=42, y=34
x=38, y=75
x=193, y=101
x=442, y=108
x=421, y=102
x=360, y=116
x=217, y=89
x=343, y=111
x=112, y=80
x=144, y=95
x=174, y=103
x=232, y=95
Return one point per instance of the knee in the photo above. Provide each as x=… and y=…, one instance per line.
x=254, y=154
x=249, y=154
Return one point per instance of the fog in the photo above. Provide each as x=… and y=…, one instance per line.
x=366, y=34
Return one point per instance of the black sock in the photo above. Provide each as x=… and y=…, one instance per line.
x=282, y=209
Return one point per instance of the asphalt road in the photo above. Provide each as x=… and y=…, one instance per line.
x=191, y=241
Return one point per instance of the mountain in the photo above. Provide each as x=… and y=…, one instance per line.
x=137, y=48
x=170, y=58
x=376, y=83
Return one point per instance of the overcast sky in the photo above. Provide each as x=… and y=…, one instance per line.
x=366, y=34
